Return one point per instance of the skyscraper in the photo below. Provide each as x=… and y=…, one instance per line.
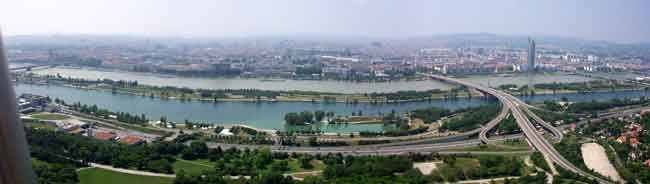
x=531, y=55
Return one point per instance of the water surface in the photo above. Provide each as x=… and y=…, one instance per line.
x=269, y=115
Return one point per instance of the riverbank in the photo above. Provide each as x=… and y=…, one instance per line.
x=185, y=94
x=246, y=95
x=268, y=84
x=171, y=87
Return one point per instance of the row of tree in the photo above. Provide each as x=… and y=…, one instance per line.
x=306, y=117
x=594, y=106
x=106, y=114
x=472, y=117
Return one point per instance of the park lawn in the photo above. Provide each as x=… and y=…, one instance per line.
x=37, y=162
x=38, y=125
x=204, y=162
x=102, y=176
x=294, y=166
x=519, y=143
x=49, y=116
x=192, y=166
x=467, y=163
x=492, y=148
x=143, y=129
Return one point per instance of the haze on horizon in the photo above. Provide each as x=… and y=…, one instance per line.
x=620, y=21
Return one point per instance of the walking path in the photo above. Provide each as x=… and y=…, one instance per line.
x=296, y=175
x=129, y=171
x=487, y=181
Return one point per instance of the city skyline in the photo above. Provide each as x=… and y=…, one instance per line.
x=593, y=20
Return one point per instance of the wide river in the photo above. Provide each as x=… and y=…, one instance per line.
x=267, y=115
x=303, y=85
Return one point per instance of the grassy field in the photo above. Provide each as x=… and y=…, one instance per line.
x=36, y=124
x=49, y=116
x=102, y=176
x=467, y=162
x=200, y=165
x=192, y=166
x=294, y=166
x=492, y=148
x=128, y=126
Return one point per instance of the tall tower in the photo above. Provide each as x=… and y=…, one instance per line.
x=531, y=55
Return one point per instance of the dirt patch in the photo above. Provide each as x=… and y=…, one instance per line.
x=595, y=158
x=426, y=167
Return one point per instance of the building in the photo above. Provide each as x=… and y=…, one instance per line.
x=531, y=55
x=30, y=103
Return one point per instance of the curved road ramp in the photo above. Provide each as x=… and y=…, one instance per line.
x=595, y=158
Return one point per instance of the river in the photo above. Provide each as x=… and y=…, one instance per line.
x=267, y=115
x=242, y=83
x=304, y=85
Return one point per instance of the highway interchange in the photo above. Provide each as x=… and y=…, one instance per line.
x=517, y=109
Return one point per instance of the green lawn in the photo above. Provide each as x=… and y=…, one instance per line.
x=294, y=166
x=491, y=148
x=467, y=162
x=520, y=143
x=49, y=116
x=38, y=125
x=102, y=176
x=192, y=166
x=200, y=165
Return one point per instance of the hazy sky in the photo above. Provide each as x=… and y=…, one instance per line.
x=615, y=20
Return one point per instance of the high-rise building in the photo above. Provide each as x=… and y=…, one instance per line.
x=531, y=54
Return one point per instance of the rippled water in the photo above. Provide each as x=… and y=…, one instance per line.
x=306, y=85
x=268, y=115
x=239, y=83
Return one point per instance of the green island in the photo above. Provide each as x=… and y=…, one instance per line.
x=189, y=94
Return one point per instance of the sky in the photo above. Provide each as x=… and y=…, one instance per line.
x=611, y=20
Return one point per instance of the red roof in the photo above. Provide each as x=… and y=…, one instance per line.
x=131, y=140
x=76, y=130
x=621, y=139
x=104, y=136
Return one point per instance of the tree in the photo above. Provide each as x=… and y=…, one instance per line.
x=319, y=115
x=182, y=178
x=274, y=177
x=282, y=165
x=312, y=141
x=305, y=162
x=262, y=158
x=160, y=166
x=199, y=148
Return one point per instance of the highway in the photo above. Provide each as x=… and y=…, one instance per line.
x=526, y=108
x=42, y=66
x=370, y=149
x=517, y=108
x=502, y=98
